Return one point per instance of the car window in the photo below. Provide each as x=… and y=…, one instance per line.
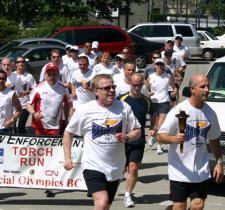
x=213, y=37
x=84, y=35
x=216, y=76
x=30, y=42
x=66, y=36
x=142, y=31
x=161, y=31
x=202, y=37
x=184, y=30
x=52, y=43
x=39, y=55
x=14, y=53
x=112, y=35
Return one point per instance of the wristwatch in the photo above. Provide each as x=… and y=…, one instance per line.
x=126, y=138
x=220, y=161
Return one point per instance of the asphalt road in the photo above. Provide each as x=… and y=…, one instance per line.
x=151, y=192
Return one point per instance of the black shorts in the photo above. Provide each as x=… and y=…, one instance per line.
x=172, y=98
x=160, y=108
x=134, y=153
x=180, y=191
x=96, y=181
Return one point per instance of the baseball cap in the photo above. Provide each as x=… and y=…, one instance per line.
x=119, y=56
x=74, y=47
x=159, y=60
x=179, y=36
x=95, y=44
x=169, y=40
x=68, y=47
x=51, y=66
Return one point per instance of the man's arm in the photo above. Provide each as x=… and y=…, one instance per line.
x=67, y=143
x=132, y=135
x=165, y=138
x=218, y=171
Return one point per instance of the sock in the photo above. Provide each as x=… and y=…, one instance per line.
x=127, y=194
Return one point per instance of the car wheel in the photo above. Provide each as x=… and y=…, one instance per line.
x=141, y=60
x=207, y=54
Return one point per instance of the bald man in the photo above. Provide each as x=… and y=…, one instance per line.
x=189, y=169
x=140, y=105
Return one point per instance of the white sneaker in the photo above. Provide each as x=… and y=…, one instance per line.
x=151, y=141
x=159, y=149
x=128, y=202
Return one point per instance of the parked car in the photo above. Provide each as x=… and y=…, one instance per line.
x=159, y=32
x=211, y=46
x=111, y=38
x=143, y=49
x=28, y=41
x=36, y=56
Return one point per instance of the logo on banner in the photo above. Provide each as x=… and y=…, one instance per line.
x=1, y=155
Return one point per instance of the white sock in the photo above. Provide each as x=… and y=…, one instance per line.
x=127, y=194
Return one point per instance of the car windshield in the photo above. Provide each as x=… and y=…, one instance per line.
x=8, y=45
x=216, y=77
x=211, y=35
x=15, y=52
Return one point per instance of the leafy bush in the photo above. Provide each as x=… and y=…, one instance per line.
x=46, y=27
x=8, y=29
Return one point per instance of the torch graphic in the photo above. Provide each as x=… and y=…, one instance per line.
x=182, y=118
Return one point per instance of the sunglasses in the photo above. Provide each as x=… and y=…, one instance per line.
x=88, y=46
x=156, y=57
x=20, y=61
x=107, y=88
x=138, y=85
x=160, y=64
x=55, y=56
x=3, y=78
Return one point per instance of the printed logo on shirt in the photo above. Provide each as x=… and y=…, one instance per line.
x=79, y=84
x=112, y=127
x=200, y=129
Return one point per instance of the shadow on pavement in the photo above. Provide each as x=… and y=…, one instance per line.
x=149, y=199
x=152, y=178
x=53, y=201
x=8, y=195
x=152, y=165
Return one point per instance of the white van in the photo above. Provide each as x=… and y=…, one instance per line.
x=216, y=99
x=159, y=32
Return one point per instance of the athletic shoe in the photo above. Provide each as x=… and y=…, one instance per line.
x=151, y=141
x=128, y=202
x=159, y=149
x=49, y=193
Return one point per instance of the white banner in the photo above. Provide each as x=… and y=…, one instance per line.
x=37, y=162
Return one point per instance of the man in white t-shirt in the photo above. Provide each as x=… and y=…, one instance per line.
x=189, y=168
x=106, y=124
x=122, y=80
x=91, y=56
x=81, y=83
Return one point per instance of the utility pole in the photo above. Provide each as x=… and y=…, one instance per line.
x=218, y=10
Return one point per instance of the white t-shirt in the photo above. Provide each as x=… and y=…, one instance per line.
x=6, y=106
x=11, y=80
x=180, y=51
x=65, y=59
x=49, y=101
x=121, y=86
x=24, y=82
x=202, y=124
x=83, y=95
x=159, y=85
x=101, y=69
x=98, y=125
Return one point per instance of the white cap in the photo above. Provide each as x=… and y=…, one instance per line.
x=179, y=36
x=169, y=40
x=120, y=56
x=74, y=47
x=68, y=47
x=95, y=44
x=159, y=60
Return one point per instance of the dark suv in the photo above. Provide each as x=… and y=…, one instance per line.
x=111, y=38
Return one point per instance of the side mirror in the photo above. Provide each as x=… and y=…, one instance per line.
x=186, y=92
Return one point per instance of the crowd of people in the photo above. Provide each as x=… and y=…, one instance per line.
x=85, y=94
